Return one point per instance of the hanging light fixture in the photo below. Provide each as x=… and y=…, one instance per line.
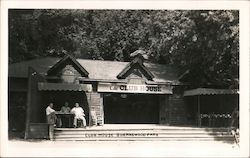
x=124, y=96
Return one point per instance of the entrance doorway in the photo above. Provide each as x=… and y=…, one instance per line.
x=131, y=109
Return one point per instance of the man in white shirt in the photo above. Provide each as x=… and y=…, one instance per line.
x=51, y=116
x=79, y=114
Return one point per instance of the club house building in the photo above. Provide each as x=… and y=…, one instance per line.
x=111, y=92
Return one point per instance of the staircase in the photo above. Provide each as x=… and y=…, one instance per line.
x=143, y=133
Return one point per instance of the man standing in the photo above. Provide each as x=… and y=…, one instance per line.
x=51, y=116
x=79, y=114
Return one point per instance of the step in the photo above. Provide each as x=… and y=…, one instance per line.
x=145, y=133
x=145, y=139
x=63, y=132
x=134, y=130
x=100, y=128
x=111, y=136
x=134, y=136
x=140, y=132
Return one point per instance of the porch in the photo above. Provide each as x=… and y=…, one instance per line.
x=212, y=107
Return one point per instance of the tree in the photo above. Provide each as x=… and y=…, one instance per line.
x=205, y=42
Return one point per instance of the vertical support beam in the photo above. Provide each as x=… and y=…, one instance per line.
x=34, y=106
x=89, y=101
x=102, y=109
x=164, y=109
x=89, y=106
x=28, y=110
x=199, y=112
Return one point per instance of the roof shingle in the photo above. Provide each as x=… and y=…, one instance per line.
x=98, y=69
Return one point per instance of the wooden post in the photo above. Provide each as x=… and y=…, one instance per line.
x=199, y=112
x=88, y=94
x=33, y=100
x=30, y=71
x=102, y=108
x=90, y=120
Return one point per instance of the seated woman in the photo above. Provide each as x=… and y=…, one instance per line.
x=79, y=114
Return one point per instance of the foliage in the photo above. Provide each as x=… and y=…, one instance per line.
x=205, y=42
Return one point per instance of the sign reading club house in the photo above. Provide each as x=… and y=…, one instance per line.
x=134, y=88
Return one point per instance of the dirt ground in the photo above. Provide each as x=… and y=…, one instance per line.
x=46, y=148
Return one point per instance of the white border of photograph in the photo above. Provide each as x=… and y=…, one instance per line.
x=243, y=6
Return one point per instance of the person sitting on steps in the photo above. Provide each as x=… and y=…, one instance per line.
x=79, y=114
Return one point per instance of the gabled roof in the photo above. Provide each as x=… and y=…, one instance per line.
x=136, y=62
x=97, y=69
x=42, y=65
x=67, y=59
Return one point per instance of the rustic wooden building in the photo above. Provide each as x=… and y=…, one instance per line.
x=133, y=92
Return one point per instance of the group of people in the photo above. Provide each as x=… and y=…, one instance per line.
x=77, y=111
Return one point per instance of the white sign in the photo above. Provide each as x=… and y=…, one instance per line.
x=134, y=88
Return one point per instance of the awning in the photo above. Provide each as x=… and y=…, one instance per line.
x=210, y=91
x=44, y=86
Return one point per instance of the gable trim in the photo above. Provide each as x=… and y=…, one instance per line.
x=136, y=61
x=60, y=65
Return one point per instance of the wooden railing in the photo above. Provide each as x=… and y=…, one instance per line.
x=214, y=120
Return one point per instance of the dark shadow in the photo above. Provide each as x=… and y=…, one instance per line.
x=58, y=98
x=131, y=109
x=221, y=134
